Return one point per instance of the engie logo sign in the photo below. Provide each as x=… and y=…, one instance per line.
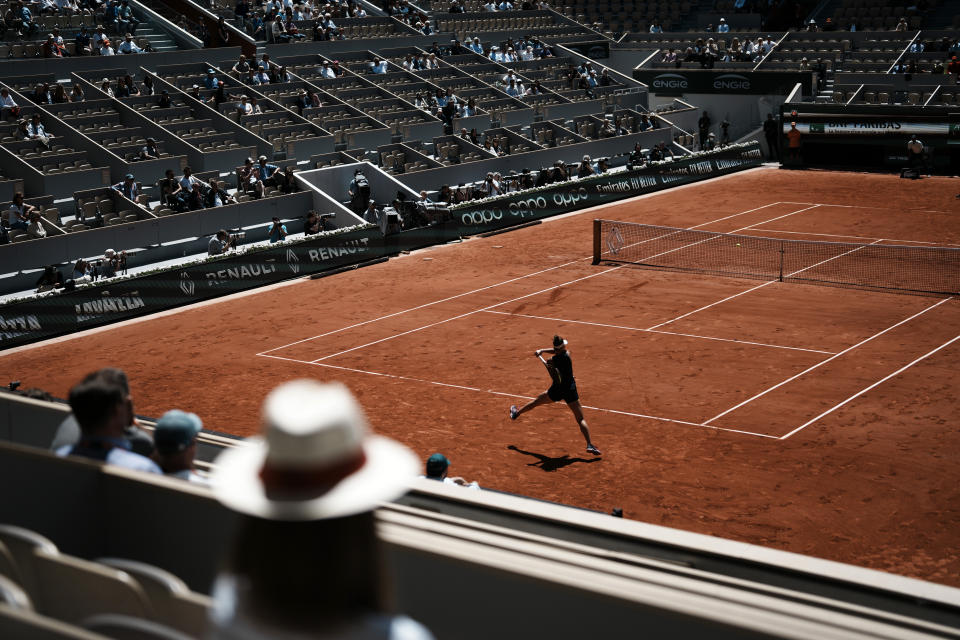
x=670, y=81
x=731, y=82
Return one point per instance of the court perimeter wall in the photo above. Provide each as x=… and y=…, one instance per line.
x=49, y=315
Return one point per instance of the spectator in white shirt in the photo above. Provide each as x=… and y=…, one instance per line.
x=475, y=46
x=378, y=66
x=129, y=46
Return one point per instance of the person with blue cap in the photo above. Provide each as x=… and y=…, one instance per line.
x=175, y=440
x=129, y=187
x=211, y=82
x=437, y=466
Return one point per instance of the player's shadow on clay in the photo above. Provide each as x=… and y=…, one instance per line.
x=548, y=463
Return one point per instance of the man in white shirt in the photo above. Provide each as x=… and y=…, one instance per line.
x=475, y=46
x=437, y=467
x=723, y=27
x=378, y=66
x=129, y=46
x=7, y=103
x=106, y=49
x=527, y=53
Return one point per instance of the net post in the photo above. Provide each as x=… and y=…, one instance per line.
x=596, y=241
x=781, y=260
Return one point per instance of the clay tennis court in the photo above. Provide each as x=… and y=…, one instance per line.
x=814, y=419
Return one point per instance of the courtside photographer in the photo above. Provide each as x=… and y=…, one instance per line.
x=111, y=264
x=221, y=243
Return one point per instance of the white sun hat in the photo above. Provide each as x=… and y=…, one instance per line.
x=316, y=459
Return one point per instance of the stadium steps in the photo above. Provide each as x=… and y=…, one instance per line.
x=159, y=39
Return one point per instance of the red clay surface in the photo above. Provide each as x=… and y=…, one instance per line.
x=873, y=481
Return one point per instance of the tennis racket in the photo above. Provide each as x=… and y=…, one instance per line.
x=554, y=374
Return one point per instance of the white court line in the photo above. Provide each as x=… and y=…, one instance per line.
x=820, y=364
x=492, y=286
x=872, y=386
x=669, y=333
x=841, y=235
x=864, y=206
x=523, y=297
x=759, y=286
x=522, y=397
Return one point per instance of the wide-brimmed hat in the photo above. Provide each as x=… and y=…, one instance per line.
x=315, y=460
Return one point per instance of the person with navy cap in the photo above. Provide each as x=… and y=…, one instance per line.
x=437, y=467
x=128, y=187
x=176, y=441
x=210, y=82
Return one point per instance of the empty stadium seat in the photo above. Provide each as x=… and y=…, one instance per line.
x=22, y=545
x=72, y=589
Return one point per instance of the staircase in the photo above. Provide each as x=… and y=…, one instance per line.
x=160, y=40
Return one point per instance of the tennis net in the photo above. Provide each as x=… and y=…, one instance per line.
x=902, y=269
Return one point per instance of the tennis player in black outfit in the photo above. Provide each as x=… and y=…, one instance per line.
x=563, y=388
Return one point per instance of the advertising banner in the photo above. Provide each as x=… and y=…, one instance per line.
x=873, y=127
x=675, y=82
x=533, y=204
x=114, y=300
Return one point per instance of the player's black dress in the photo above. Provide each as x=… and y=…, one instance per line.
x=566, y=390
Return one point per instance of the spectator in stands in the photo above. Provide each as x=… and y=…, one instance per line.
x=306, y=498
x=8, y=106
x=249, y=179
x=282, y=75
x=220, y=243
x=222, y=34
x=146, y=88
x=18, y=216
x=50, y=48
x=286, y=181
x=82, y=42
x=27, y=25
x=126, y=21
x=103, y=407
x=164, y=101
x=175, y=438
x=241, y=67
x=99, y=36
x=150, y=151
x=37, y=132
x=901, y=25
x=437, y=468
x=655, y=27
x=106, y=48
x=475, y=46
x=122, y=90
x=216, y=195
x=188, y=180
x=82, y=272
x=723, y=27
x=171, y=193
x=266, y=172
x=41, y=94
x=195, y=200
x=129, y=187
x=210, y=82
x=128, y=45
x=277, y=230
x=261, y=77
